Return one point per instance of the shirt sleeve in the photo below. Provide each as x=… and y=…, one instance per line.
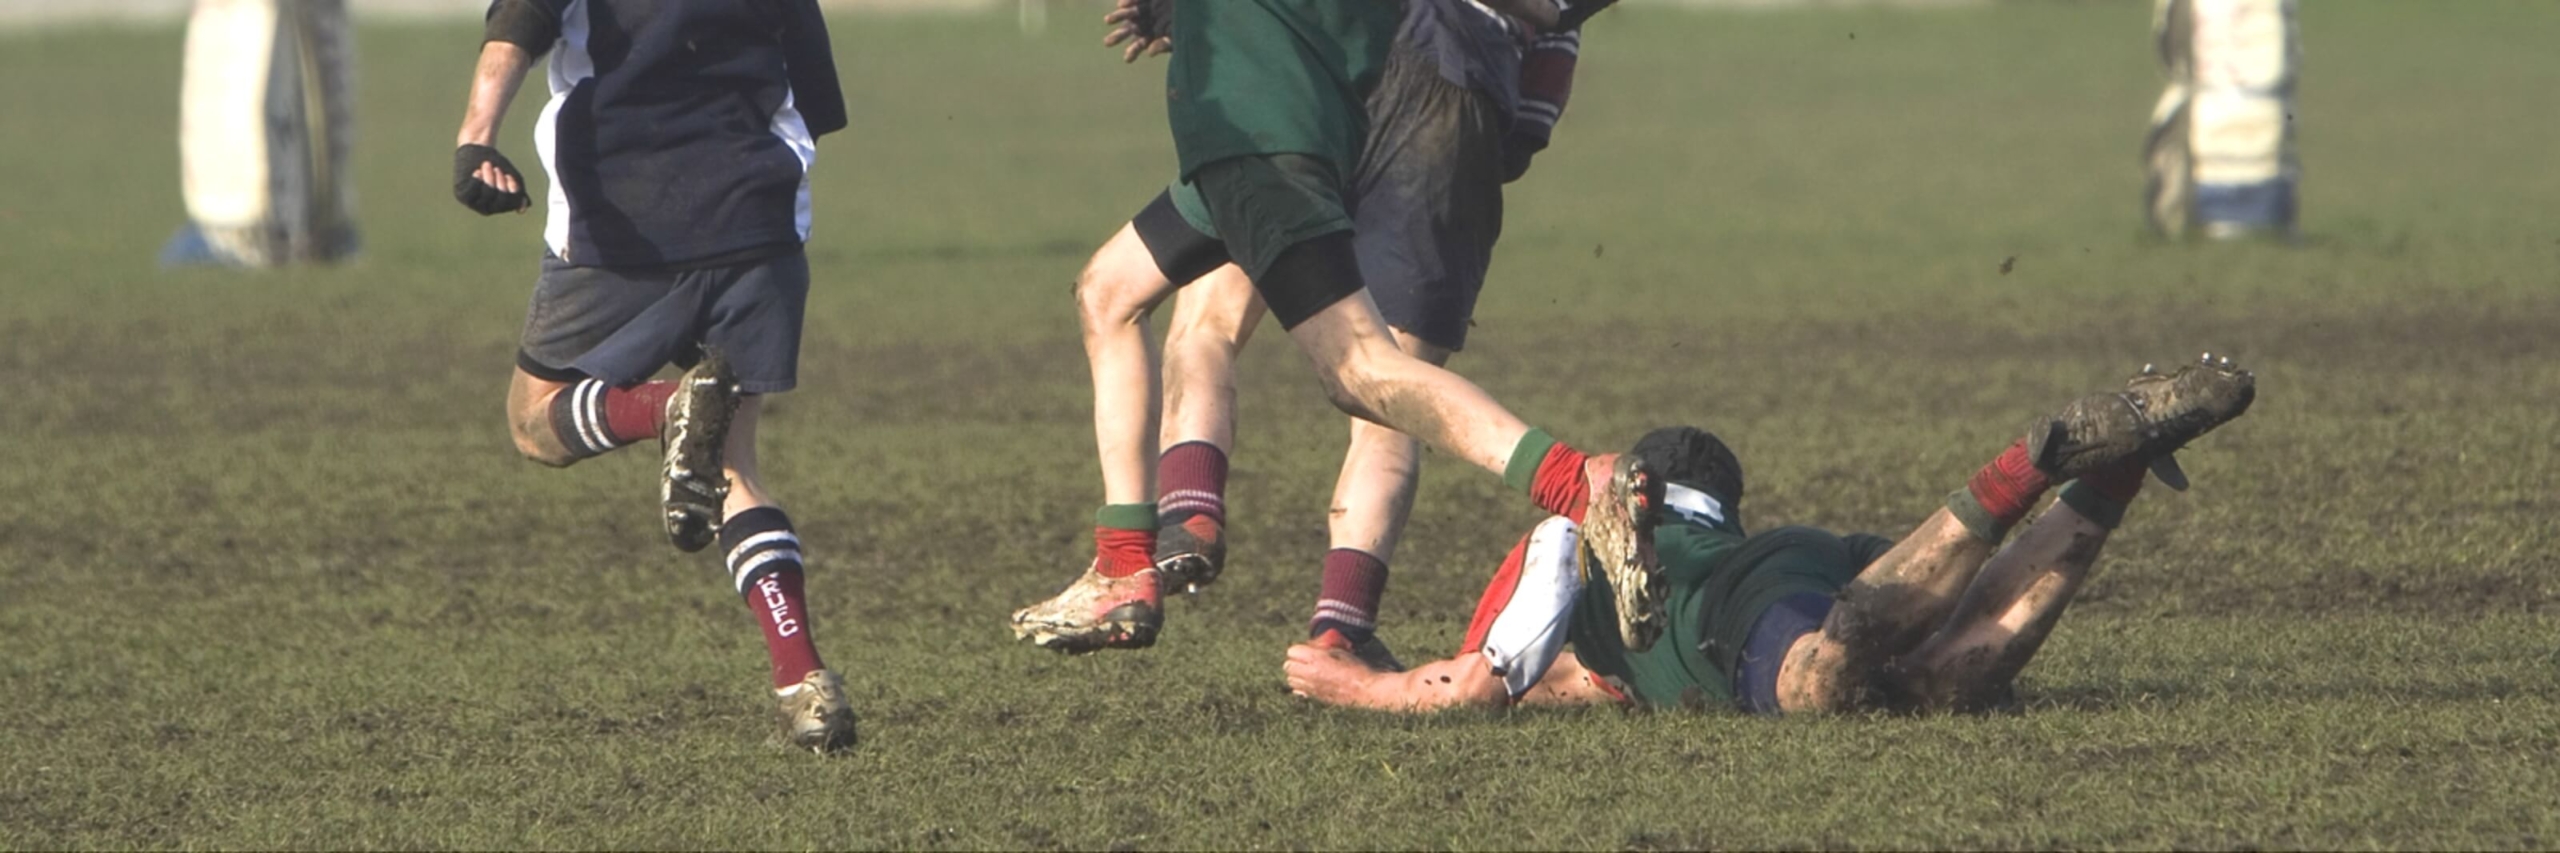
x=530, y=24
x=1546, y=83
x=812, y=60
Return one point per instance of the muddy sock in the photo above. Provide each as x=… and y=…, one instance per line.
x=1353, y=582
x=1551, y=473
x=1124, y=539
x=591, y=417
x=1192, y=478
x=2102, y=495
x=2000, y=494
x=764, y=561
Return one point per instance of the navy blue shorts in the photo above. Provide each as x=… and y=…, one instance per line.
x=1755, y=675
x=1427, y=199
x=1426, y=206
x=622, y=325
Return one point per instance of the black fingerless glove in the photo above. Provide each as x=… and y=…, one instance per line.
x=479, y=195
x=1153, y=21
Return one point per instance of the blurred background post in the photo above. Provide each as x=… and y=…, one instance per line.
x=266, y=117
x=2221, y=147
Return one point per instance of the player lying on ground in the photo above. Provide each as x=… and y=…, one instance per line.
x=1428, y=181
x=639, y=273
x=1800, y=620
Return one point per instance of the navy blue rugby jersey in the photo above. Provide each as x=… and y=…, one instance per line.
x=679, y=132
x=1475, y=47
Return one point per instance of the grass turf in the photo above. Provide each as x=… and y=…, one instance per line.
x=279, y=580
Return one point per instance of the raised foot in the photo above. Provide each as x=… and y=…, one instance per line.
x=1617, y=529
x=1190, y=554
x=1096, y=613
x=694, y=484
x=2156, y=414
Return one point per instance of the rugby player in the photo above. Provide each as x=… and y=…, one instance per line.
x=1795, y=619
x=1429, y=177
x=678, y=138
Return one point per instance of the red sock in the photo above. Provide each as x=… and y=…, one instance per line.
x=1191, y=481
x=632, y=412
x=2009, y=486
x=1121, y=553
x=764, y=560
x=1560, y=486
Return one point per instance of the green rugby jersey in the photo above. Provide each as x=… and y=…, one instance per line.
x=1721, y=580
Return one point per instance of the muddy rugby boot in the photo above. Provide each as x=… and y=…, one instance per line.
x=693, y=485
x=814, y=713
x=1191, y=554
x=1617, y=528
x=2153, y=416
x=1096, y=613
x=1372, y=651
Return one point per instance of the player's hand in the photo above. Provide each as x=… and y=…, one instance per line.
x=1140, y=28
x=1327, y=674
x=484, y=181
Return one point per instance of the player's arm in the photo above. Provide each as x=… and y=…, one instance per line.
x=811, y=58
x=1514, y=651
x=1546, y=85
x=493, y=88
x=1568, y=682
x=1333, y=676
x=1551, y=16
x=518, y=31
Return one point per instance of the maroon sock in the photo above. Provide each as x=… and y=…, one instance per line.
x=1348, y=604
x=2119, y=483
x=1120, y=553
x=1191, y=480
x=764, y=560
x=1560, y=486
x=632, y=412
x=2009, y=486
x=2101, y=496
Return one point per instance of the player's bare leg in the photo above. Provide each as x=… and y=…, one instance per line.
x=1118, y=602
x=1372, y=498
x=1211, y=322
x=529, y=419
x=2007, y=613
x=763, y=554
x=1889, y=608
x=1115, y=294
x=1614, y=499
x=2106, y=440
x=557, y=423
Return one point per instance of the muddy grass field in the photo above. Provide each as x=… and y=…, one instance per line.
x=272, y=575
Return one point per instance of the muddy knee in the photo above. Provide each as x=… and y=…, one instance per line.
x=535, y=440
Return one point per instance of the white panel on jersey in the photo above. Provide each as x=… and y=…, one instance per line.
x=570, y=64
x=1529, y=633
x=794, y=132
